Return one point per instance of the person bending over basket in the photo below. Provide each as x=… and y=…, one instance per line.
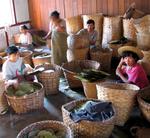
x=128, y=69
x=14, y=67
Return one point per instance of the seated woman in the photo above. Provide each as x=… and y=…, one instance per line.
x=13, y=67
x=128, y=69
x=92, y=33
x=25, y=38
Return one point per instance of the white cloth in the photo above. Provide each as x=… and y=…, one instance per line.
x=25, y=38
x=10, y=69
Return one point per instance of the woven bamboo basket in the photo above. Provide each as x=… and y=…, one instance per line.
x=144, y=105
x=27, y=57
x=143, y=41
x=90, y=89
x=111, y=29
x=74, y=24
x=47, y=124
x=72, y=68
x=3, y=100
x=41, y=60
x=122, y=96
x=29, y=102
x=3, y=54
x=103, y=56
x=50, y=80
x=145, y=62
x=129, y=30
x=142, y=24
x=77, y=54
x=84, y=128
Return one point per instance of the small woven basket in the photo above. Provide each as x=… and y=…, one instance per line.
x=50, y=80
x=90, y=89
x=84, y=128
x=3, y=100
x=41, y=60
x=122, y=96
x=72, y=68
x=29, y=102
x=48, y=124
x=144, y=106
x=27, y=57
x=103, y=56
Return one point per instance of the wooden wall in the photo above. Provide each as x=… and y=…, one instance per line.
x=39, y=9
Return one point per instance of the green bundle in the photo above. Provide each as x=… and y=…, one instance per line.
x=47, y=133
x=23, y=89
x=91, y=75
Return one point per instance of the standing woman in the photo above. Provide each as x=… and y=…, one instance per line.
x=57, y=34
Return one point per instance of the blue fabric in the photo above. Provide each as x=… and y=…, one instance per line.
x=93, y=111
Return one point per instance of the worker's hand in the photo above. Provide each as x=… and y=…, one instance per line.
x=13, y=83
x=28, y=68
x=121, y=61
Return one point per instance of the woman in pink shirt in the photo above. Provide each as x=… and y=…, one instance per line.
x=129, y=70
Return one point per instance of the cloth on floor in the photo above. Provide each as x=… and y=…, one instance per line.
x=93, y=111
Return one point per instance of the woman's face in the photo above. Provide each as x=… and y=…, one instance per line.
x=90, y=27
x=53, y=18
x=129, y=60
x=23, y=31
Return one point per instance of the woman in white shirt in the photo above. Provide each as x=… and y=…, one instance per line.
x=25, y=38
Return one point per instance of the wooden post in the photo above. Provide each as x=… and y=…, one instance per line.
x=7, y=40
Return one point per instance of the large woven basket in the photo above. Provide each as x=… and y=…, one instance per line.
x=144, y=105
x=72, y=68
x=84, y=128
x=47, y=124
x=3, y=100
x=41, y=60
x=29, y=102
x=77, y=54
x=122, y=96
x=143, y=41
x=50, y=80
x=103, y=56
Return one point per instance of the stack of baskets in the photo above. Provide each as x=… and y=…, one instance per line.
x=103, y=56
x=29, y=102
x=144, y=102
x=39, y=60
x=50, y=80
x=84, y=128
x=122, y=96
x=72, y=68
x=3, y=100
x=48, y=124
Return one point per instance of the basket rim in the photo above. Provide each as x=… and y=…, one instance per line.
x=113, y=118
x=105, y=84
x=27, y=95
x=46, y=121
x=64, y=68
